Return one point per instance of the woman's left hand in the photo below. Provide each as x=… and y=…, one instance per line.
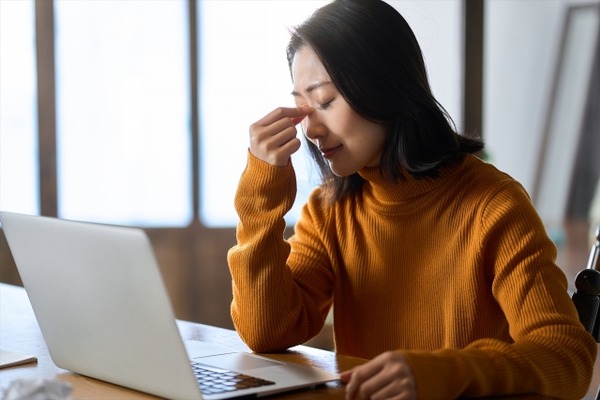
x=387, y=376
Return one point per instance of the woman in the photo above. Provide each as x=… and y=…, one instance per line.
x=438, y=269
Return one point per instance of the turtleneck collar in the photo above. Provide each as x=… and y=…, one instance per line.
x=386, y=193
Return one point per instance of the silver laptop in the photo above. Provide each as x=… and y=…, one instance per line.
x=104, y=312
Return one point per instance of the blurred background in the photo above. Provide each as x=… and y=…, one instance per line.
x=136, y=112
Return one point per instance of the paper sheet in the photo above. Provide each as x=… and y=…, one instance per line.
x=9, y=359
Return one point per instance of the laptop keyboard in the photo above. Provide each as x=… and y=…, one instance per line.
x=214, y=381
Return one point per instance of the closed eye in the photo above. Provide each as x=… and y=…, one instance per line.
x=324, y=106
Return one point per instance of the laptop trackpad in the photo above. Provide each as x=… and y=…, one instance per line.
x=237, y=361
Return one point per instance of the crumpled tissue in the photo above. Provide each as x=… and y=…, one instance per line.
x=37, y=389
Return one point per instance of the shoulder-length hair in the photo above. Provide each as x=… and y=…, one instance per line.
x=374, y=60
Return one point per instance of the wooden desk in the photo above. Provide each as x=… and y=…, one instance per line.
x=19, y=332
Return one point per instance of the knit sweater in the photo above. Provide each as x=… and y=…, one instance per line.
x=456, y=272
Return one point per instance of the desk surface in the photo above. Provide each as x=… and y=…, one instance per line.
x=20, y=333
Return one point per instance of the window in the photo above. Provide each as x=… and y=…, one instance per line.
x=243, y=76
x=123, y=114
x=18, y=122
x=123, y=101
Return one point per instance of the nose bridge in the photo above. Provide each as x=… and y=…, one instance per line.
x=312, y=125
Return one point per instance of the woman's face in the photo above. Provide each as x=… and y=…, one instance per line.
x=348, y=141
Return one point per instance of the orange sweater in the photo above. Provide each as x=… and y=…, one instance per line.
x=456, y=272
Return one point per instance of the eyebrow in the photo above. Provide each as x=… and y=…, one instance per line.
x=312, y=87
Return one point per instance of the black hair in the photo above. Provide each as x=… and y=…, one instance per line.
x=374, y=60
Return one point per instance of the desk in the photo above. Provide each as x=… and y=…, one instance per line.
x=19, y=332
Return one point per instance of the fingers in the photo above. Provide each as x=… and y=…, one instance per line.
x=273, y=138
x=385, y=388
x=346, y=375
x=297, y=120
x=285, y=112
x=387, y=376
x=275, y=143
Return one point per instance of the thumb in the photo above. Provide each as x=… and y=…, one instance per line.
x=346, y=375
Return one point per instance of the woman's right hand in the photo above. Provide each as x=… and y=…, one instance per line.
x=387, y=376
x=273, y=138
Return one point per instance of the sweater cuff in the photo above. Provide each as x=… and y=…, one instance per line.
x=262, y=174
x=265, y=188
x=436, y=376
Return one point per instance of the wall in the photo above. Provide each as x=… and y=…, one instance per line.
x=522, y=41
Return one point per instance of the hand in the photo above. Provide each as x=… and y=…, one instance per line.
x=273, y=138
x=387, y=376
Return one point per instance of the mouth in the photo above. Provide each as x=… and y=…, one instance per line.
x=328, y=152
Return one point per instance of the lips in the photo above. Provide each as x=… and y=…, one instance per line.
x=328, y=152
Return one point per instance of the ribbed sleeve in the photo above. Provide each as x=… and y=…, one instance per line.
x=272, y=307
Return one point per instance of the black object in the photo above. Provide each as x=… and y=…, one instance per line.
x=587, y=295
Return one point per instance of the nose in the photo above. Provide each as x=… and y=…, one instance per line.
x=313, y=127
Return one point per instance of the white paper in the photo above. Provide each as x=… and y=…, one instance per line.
x=9, y=359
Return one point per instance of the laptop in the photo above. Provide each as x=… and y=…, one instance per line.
x=103, y=310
